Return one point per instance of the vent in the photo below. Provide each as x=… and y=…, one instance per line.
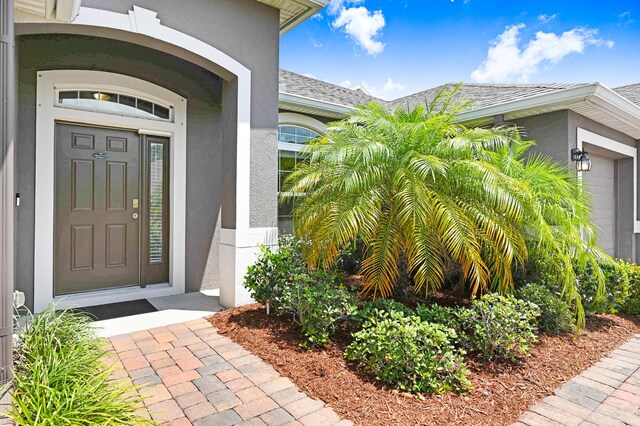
x=18, y=299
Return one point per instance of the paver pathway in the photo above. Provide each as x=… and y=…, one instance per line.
x=193, y=375
x=607, y=394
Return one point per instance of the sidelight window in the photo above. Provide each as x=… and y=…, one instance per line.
x=156, y=202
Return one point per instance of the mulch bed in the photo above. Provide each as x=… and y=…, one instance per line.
x=501, y=391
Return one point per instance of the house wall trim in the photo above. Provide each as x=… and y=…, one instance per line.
x=585, y=136
x=146, y=22
x=296, y=119
x=47, y=113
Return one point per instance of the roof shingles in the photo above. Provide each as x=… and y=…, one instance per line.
x=477, y=95
x=301, y=85
x=631, y=92
x=482, y=95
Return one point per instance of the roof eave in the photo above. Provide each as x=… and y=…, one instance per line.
x=307, y=105
x=617, y=105
x=597, y=95
x=312, y=7
x=558, y=99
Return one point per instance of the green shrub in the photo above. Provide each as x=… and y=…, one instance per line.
x=370, y=312
x=616, y=278
x=318, y=307
x=275, y=270
x=499, y=327
x=61, y=377
x=411, y=355
x=632, y=304
x=555, y=315
x=438, y=314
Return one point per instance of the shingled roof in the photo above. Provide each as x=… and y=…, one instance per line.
x=478, y=95
x=631, y=92
x=481, y=95
x=296, y=84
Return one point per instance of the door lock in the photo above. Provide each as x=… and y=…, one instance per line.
x=135, y=215
x=135, y=203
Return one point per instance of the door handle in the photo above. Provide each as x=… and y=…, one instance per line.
x=135, y=215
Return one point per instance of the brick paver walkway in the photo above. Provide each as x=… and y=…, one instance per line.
x=607, y=394
x=193, y=375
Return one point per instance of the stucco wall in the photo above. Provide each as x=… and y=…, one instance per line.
x=248, y=31
x=203, y=92
x=550, y=131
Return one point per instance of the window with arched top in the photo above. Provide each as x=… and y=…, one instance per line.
x=291, y=140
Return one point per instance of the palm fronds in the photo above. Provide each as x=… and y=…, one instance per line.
x=416, y=183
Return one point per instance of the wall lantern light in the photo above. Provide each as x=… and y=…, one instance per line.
x=583, y=163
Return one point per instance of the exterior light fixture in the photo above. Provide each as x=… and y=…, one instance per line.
x=583, y=163
x=101, y=96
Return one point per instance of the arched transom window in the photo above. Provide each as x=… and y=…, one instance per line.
x=110, y=102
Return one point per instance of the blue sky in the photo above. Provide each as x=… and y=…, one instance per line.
x=397, y=47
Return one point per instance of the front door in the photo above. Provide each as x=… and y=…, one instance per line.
x=97, y=241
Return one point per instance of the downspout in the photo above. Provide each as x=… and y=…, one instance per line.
x=7, y=144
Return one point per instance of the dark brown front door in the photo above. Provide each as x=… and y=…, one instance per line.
x=97, y=208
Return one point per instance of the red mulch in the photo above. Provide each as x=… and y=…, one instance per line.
x=501, y=391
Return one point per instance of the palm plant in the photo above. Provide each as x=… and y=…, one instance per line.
x=418, y=185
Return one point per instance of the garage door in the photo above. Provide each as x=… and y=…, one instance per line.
x=600, y=182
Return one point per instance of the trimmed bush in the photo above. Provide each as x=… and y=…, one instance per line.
x=438, y=314
x=281, y=279
x=411, y=355
x=370, y=312
x=616, y=292
x=499, y=327
x=632, y=304
x=275, y=270
x=555, y=315
x=317, y=307
x=61, y=377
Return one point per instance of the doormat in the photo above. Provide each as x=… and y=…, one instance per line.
x=118, y=310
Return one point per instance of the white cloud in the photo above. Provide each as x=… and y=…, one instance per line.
x=362, y=26
x=389, y=90
x=392, y=86
x=334, y=6
x=359, y=23
x=507, y=61
x=545, y=19
x=310, y=75
x=625, y=19
x=315, y=43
